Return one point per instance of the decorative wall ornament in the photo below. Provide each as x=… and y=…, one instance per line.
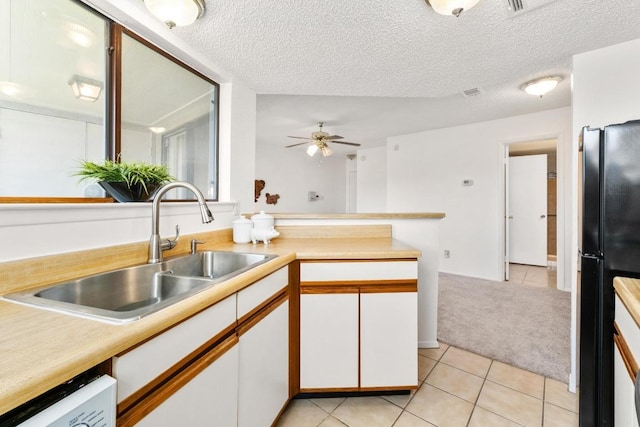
x=259, y=186
x=272, y=199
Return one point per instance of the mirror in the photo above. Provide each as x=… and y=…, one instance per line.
x=168, y=117
x=54, y=92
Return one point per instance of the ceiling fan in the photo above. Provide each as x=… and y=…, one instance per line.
x=319, y=142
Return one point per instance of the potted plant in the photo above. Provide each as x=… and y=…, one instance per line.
x=126, y=182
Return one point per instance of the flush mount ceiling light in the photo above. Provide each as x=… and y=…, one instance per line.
x=176, y=13
x=451, y=7
x=85, y=88
x=79, y=34
x=12, y=89
x=157, y=129
x=541, y=86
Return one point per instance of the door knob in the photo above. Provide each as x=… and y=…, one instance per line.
x=543, y=216
x=510, y=216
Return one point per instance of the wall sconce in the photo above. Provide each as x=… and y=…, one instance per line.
x=85, y=88
x=176, y=13
x=451, y=7
x=541, y=86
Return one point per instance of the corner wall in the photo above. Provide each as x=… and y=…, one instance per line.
x=291, y=173
x=372, y=182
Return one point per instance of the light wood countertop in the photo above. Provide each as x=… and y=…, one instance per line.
x=629, y=292
x=399, y=215
x=40, y=349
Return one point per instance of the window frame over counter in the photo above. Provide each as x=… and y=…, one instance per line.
x=113, y=126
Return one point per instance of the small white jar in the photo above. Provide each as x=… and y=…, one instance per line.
x=242, y=229
x=263, y=220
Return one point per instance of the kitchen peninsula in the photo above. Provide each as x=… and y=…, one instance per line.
x=41, y=348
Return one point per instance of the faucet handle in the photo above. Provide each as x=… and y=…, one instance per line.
x=194, y=245
x=171, y=243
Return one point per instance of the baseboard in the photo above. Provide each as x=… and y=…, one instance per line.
x=428, y=344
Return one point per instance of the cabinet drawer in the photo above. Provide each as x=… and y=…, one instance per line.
x=252, y=296
x=139, y=366
x=358, y=270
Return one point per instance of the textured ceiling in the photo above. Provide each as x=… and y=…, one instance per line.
x=334, y=54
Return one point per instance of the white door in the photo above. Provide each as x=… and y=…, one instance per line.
x=528, y=209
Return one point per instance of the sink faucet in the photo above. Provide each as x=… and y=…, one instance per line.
x=156, y=244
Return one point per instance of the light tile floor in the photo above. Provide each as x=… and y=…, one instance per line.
x=457, y=388
x=533, y=275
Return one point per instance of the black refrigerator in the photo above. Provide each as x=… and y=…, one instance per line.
x=610, y=247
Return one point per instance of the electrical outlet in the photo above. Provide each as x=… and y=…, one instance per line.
x=446, y=253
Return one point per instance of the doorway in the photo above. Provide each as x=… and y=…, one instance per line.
x=531, y=216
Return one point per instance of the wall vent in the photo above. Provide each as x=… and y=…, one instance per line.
x=469, y=93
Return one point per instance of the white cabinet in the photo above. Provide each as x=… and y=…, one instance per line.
x=329, y=341
x=209, y=398
x=388, y=339
x=147, y=362
x=264, y=367
x=358, y=325
x=226, y=366
x=626, y=356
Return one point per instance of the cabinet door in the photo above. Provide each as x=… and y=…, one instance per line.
x=624, y=406
x=264, y=369
x=328, y=341
x=388, y=339
x=208, y=399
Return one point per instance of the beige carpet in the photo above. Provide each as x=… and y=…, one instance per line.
x=523, y=326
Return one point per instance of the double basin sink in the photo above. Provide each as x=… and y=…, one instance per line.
x=128, y=294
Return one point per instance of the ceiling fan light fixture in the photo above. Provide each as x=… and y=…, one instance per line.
x=326, y=151
x=176, y=13
x=451, y=7
x=312, y=150
x=541, y=86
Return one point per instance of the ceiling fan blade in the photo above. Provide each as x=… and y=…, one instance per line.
x=298, y=137
x=355, y=144
x=331, y=137
x=295, y=145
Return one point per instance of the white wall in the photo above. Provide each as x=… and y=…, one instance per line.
x=425, y=172
x=372, y=180
x=291, y=173
x=606, y=89
x=237, y=140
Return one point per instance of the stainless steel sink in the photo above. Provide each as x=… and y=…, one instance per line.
x=214, y=264
x=128, y=294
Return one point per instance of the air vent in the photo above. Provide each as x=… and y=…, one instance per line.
x=515, y=5
x=519, y=7
x=469, y=93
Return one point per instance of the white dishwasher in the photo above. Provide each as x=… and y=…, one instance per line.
x=78, y=403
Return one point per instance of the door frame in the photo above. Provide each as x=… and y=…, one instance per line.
x=567, y=244
x=503, y=150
